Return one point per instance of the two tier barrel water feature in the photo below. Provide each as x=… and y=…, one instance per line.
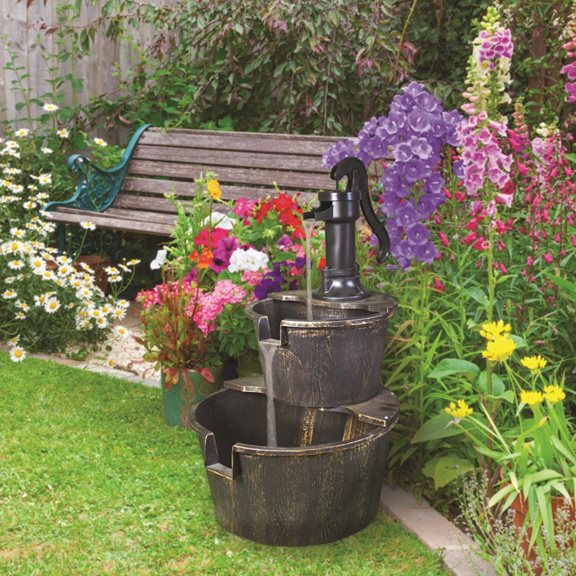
x=300, y=459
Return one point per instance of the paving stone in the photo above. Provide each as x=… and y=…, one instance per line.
x=435, y=531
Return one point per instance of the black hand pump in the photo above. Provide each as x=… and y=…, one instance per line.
x=339, y=211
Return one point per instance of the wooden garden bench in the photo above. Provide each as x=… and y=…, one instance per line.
x=130, y=197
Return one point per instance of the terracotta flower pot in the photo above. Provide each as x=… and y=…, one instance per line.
x=520, y=508
x=191, y=387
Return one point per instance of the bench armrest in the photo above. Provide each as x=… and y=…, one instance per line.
x=97, y=188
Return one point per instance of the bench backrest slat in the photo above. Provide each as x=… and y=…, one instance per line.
x=247, y=141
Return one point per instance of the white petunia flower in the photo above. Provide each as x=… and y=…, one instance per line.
x=249, y=260
x=159, y=259
x=219, y=220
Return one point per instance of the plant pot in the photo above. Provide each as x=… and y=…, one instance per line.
x=190, y=389
x=520, y=508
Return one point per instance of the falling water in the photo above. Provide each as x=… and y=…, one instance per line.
x=308, y=226
x=268, y=349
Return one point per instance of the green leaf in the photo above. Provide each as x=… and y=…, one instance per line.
x=570, y=158
x=439, y=426
x=450, y=366
x=478, y=295
x=566, y=285
x=445, y=469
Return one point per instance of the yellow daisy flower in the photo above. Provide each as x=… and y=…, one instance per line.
x=214, y=189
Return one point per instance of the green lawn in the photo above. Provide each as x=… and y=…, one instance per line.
x=92, y=482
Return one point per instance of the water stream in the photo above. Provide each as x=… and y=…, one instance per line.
x=268, y=349
x=308, y=226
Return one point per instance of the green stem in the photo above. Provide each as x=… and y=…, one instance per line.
x=394, y=69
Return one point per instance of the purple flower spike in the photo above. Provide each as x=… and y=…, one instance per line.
x=413, y=135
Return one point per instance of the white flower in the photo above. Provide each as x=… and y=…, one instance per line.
x=50, y=107
x=87, y=225
x=16, y=264
x=46, y=150
x=17, y=232
x=23, y=132
x=45, y=179
x=100, y=142
x=17, y=354
x=9, y=294
x=119, y=313
x=63, y=133
x=249, y=260
x=101, y=322
x=159, y=259
x=219, y=220
x=114, y=279
x=51, y=305
x=123, y=303
x=122, y=331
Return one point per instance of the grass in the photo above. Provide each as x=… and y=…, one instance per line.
x=92, y=482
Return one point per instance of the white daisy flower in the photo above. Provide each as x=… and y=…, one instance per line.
x=10, y=279
x=20, y=315
x=122, y=331
x=45, y=179
x=51, y=305
x=17, y=232
x=63, y=133
x=119, y=313
x=16, y=264
x=50, y=107
x=9, y=294
x=22, y=133
x=17, y=354
x=101, y=322
x=115, y=279
x=100, y=142
x=46, y=150
x=87, y=225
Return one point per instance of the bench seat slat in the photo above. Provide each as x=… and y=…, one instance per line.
x=246, y=175
x=102, y=220
x=156, y=187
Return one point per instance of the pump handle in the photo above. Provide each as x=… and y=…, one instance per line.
x=355, y=170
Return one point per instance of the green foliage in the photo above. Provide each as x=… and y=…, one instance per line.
x=297, y=67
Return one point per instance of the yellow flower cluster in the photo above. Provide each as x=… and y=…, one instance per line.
x=552, y=393
x=492, y=330
x=214, y=190
x=530, y=397
x=533, y=363
x=499, y=349
x=459, y=409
